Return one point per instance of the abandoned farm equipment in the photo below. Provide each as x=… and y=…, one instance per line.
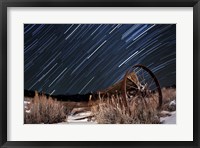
x=139, y=81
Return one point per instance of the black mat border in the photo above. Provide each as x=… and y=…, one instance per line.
x=4, y=4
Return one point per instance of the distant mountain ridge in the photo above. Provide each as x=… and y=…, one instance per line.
x=75, y=97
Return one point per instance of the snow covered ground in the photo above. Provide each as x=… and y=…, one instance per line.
x=169, y=119
x=79, y=118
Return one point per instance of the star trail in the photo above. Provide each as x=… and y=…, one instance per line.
x=82, y=58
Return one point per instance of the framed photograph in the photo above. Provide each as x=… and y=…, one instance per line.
x=99, y=73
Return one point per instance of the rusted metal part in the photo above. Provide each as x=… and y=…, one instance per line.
x=131, y=77
x=124, y=96
x=124, y=84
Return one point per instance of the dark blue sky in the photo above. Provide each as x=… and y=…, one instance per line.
x=79, y=58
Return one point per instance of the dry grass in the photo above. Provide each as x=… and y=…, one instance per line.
x=114, y=111
x=44, y=110
x=108, y=110
x=169, y=94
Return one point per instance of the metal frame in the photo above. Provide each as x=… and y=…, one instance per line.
x=98, y=3
x=152, y=76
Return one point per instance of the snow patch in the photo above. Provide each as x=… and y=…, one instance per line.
x=169, y=119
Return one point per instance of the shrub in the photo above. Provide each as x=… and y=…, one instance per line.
x=169, y=96
x=44, y=110
x=113, y=111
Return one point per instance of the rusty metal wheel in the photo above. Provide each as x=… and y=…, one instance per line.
x=140, y=81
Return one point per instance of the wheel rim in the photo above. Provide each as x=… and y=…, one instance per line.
x=141, y=81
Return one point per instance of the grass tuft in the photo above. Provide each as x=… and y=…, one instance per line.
x=44, y=110
x=113, y=111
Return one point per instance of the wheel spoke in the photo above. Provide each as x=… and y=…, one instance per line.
x=143, y=76
x=150, y=84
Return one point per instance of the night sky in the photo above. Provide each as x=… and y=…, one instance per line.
x=82, y=58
